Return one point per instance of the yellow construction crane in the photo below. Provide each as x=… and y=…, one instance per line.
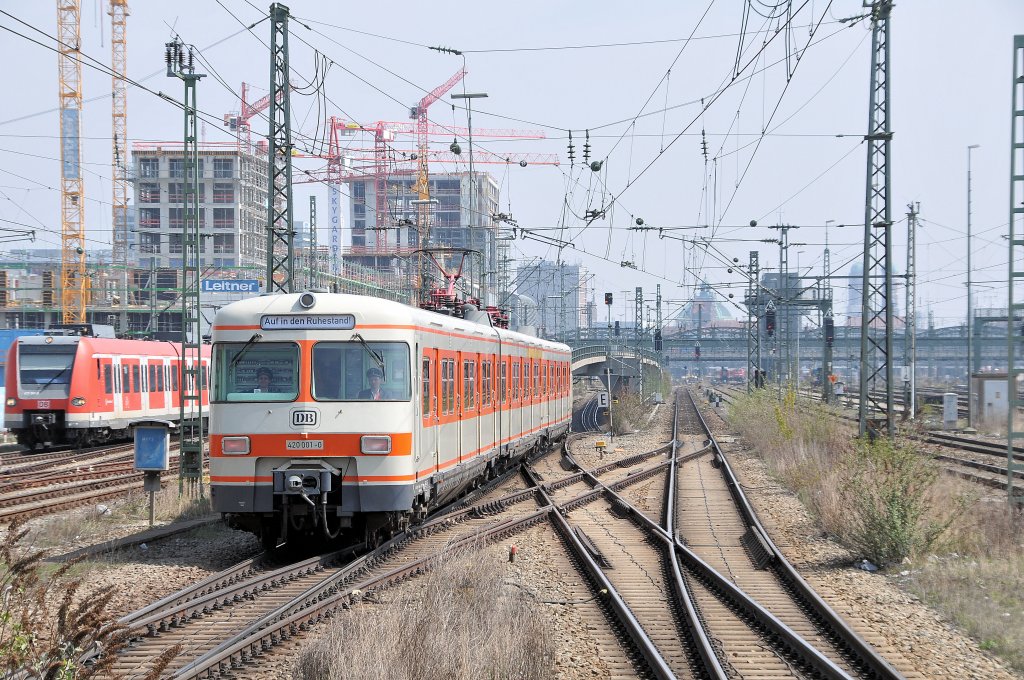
x=72, y=273
x=119, y=128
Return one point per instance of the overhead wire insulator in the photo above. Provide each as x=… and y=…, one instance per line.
x=586, y=149
x=572, y=150
x=704, y=144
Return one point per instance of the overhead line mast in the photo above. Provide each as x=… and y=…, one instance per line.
x=280, y=226
x=69, y=66
x=876, y=347
x=119, y=123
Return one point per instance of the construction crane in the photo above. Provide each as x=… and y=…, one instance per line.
x=348, y=164
x=239, y=122
x=72, y=263
x=119, y=128
x=422, y=186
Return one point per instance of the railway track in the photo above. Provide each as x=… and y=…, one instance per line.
x=976, y=460
x=662, y=611
x=68, y=479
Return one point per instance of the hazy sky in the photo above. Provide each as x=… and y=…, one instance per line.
x=951, y=72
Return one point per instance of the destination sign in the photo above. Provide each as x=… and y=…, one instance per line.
x=307, y=322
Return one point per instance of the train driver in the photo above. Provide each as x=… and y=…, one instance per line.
x=264, y=376
x=375, y=377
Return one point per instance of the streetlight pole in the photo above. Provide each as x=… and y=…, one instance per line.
x=970, y=300
x=469, y=97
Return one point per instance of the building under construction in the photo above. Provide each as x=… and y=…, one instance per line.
x=461, y=216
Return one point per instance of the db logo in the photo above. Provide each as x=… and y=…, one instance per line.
x=302, y=418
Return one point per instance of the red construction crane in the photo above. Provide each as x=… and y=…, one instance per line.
x=239, y=122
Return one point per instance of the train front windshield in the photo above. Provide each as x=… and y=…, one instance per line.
x=256, y=371
x=46, y=368
x=361, y=371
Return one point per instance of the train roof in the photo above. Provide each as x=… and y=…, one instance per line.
x=249, y=314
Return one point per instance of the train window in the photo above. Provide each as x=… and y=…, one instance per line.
x=515, y=381
x=204, y=372
x=502, y=381
x=126, y=383
x=468, y=385
x=46, y=365
x=108, y=379
x=256, y=371
x=175, y=380
x=425, y=387
x=161, y=370
x=361, y=371
x=152, y=378
x=136, y=388
x=448, y=385
x=485, y=383
x=536, y=380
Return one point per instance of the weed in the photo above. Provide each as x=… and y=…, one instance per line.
x=37, y=643
x=462, y=622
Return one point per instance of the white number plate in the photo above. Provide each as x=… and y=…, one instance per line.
x=304, y=444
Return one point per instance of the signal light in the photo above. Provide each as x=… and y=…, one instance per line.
x=616, y=328
x=607, y=298
x=769, y=322
x=696, y=350
x=658, y=344
x=830, y=331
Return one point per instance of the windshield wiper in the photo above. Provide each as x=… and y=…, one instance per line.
x=245, y=348
x=56, y=375
x=377, y=358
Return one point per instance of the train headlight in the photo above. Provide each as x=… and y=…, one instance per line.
x=78, y=401
x=11, y=401
x=234, y=446
x=375, y=444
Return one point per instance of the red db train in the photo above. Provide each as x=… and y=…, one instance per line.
x=80, y=390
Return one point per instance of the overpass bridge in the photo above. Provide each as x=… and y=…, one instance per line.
x=941, y=352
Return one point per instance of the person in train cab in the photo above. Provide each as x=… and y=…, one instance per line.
x=375, y=391
x=264, y=376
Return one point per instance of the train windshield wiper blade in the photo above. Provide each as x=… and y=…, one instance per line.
x=245, y=348
x=376, y=356
x=56, y=375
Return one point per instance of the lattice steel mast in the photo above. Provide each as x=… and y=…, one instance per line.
x=72, y=261
x=192, y=377
x=1015, y=311
x=753, y=300
x=119, y=144
x=876, y=346
x=280, y=226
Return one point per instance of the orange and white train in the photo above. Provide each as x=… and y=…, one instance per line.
x=335, y=412
x=79, y=390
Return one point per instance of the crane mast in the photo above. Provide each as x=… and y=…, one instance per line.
x=72, y=270
x=119, y=128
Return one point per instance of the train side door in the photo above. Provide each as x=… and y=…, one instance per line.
x=430, y=386
x=117, y=391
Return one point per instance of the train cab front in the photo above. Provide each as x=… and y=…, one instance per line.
x=39, y=377
x=311, y=438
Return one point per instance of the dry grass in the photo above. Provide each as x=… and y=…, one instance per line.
x=461, y=621
x=89, y=525
x=968, y=551
x=881, y=499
